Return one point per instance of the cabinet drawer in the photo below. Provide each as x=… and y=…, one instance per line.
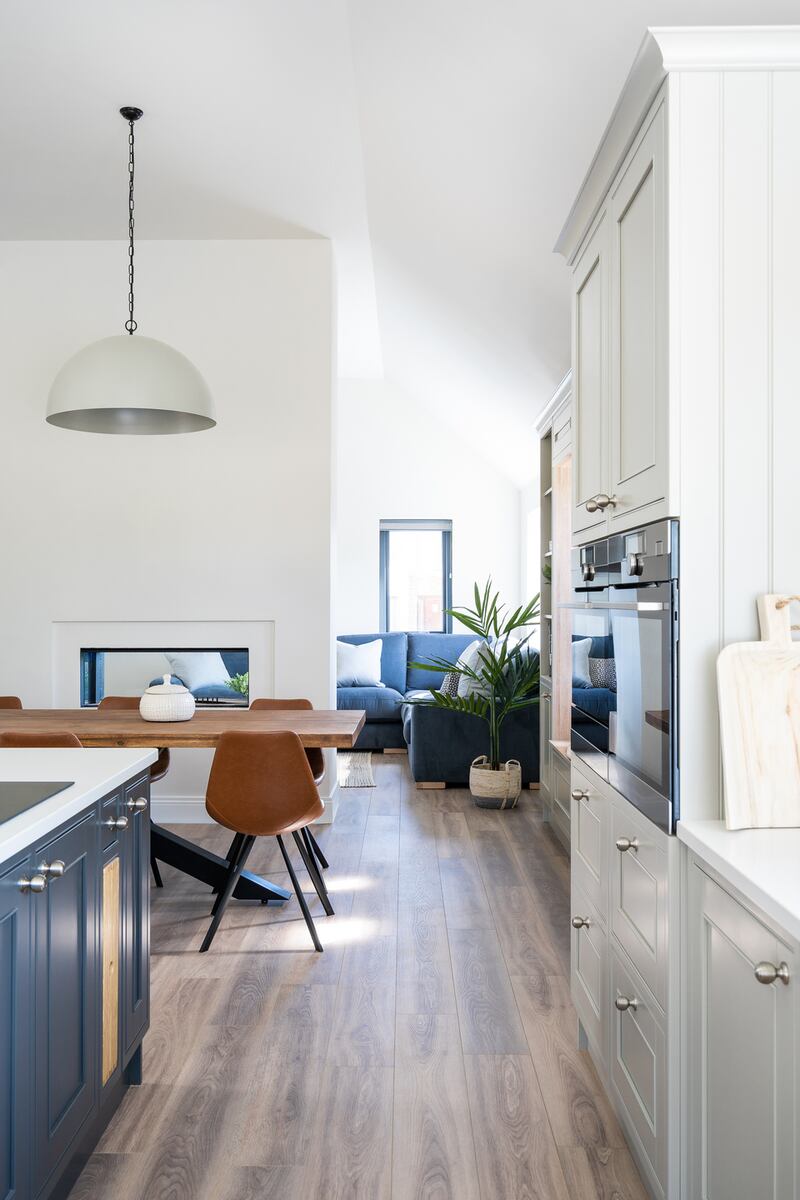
x=589, y=841
x=639, y=1063
x=638, y=900
x=589, y=970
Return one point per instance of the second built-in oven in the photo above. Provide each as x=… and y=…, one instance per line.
x=624, y=610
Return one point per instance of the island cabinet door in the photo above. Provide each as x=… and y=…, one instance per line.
x=66, y=993
x=136, y=915
x=743, y=1051
x=16, y=987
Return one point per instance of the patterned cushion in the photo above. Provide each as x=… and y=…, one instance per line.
x=450, y=683
x=603, y=673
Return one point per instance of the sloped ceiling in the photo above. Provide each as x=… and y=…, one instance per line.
x=438, y=143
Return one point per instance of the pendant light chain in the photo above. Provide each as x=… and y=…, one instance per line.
x=130, y=324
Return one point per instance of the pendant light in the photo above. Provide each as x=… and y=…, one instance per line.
x=127, y=384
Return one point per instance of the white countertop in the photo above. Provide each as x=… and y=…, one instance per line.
x=95, y=772
x=762, y=864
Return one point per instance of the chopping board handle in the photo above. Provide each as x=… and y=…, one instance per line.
x=774, y=618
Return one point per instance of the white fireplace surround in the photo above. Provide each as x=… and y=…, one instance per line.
x=179, y=797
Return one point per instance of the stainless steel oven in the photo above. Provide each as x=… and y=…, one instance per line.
x=624, y=610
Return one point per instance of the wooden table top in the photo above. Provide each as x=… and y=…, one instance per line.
x=110, y=727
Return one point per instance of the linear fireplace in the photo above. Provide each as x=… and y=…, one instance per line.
x=216, y=676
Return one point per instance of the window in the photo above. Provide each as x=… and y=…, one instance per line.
x=415, y=575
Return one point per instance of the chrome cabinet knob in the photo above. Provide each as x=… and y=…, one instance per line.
x=138, y=805
x=36, y=883
x=578, y=794
x=116, y=823
x=623, y=1003
x=767, y=972
x=53, y=870
x=635, y=564
x=624, y=844
x=601, y=502
x=580, y=922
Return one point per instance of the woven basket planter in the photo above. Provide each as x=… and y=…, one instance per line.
x=495, y=789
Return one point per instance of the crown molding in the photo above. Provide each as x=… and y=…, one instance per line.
x=665, y=50
x=562, y=393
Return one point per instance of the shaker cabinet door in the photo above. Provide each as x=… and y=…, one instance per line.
x=15, y=1032
x=639, y=396
x=66, y=992
x=590, y=308
x=743, y=1052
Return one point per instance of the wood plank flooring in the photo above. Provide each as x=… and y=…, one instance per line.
x=428, y=1054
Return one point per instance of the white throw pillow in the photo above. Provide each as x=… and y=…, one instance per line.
x=199, y=668
x=359, y=666
x=470, y=658
x=581, y=678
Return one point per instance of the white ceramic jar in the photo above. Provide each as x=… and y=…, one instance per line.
x=167, y=702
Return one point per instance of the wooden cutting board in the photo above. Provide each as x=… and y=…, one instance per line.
x=758, y=684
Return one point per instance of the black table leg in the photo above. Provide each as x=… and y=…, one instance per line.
x=210, y=868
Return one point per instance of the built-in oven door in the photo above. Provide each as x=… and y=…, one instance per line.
x=623, y=690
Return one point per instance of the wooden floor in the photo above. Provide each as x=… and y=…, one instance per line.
x=428, y=1053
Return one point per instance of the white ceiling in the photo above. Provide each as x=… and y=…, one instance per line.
x=438, y=143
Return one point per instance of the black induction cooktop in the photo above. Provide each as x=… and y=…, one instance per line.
x=15, y=798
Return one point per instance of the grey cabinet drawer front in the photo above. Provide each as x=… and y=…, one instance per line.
x=638, y=899
x=589, y=841
x=638, y=1053
x=589, y=971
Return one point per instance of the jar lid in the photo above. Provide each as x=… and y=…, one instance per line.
x=167, y=688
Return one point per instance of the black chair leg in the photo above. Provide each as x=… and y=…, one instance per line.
x=301, y=898
x=323, y=862
x=235, y=871
x=310, y=864
x=231, y=855
x=159, y=882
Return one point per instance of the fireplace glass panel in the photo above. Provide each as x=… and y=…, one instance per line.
x=214, y=677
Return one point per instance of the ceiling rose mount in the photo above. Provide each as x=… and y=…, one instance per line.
x=127, y=384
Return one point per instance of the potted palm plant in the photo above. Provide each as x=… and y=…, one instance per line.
x=501, y=677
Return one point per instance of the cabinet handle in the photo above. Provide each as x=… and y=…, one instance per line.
x=116, y=823
x=36, y=883
x=624, y=844
x=53, y=870
x=601, y=502
x=580, y=922
x=767, y=973
x=623, y=1003
x=579, y=795
x=138, y=805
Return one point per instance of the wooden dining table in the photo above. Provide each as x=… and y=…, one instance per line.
x=324, y=728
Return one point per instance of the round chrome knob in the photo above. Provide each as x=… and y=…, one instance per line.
x=36, y=883
x=578, y=794
x=767, y=973
x=603, y=501
x=580, y=922
x=116, y=823
x=624, y=844
x=623, y=1003
x=138, y=805
x=592, y=506
x=53, y=870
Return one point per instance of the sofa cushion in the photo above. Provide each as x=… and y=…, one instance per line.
x=424, y=646
x=394, y=656
x=379, y=703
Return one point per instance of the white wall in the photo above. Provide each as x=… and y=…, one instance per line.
x=398, y=460
x=230, y=524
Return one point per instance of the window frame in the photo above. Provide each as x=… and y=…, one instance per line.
x=389, y=526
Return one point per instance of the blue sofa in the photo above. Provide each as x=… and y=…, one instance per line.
x=441, y=745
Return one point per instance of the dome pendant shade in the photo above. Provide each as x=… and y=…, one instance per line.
x=130, y=385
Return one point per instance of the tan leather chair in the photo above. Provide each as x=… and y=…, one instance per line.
x=159, y=767
x=316, y=759
x=10, y=702
x=261, y=786
x=24, y=741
